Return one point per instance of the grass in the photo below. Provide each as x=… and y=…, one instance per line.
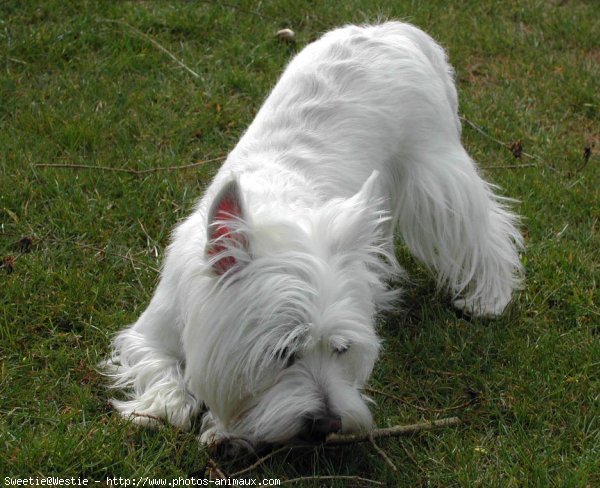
x=77, y=88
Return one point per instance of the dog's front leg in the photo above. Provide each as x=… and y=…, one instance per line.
x=147, y=363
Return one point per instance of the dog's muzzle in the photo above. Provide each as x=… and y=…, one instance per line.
x=316, y=429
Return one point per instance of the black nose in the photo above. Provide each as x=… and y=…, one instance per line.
x=317, y=428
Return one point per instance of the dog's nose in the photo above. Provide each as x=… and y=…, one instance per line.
x=317, y=428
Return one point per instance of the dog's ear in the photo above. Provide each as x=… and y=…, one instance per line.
x=357, y=222
x=368, y=206
x=225, y=240
x=368, y=191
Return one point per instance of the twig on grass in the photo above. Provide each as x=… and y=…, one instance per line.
x=256, y=13
x=99, y=250
x=382, y=453
x=261, y=461
x=510, y=166
x=484, y=133
x=418, y=407
x=128, y=170
x=215, y=470
x=516, y=148
x=445, y=373
x=397, y=398
x=345, y=439
x=334, y=477
x=137, y=277
x=239, y=9
x=395, y=431
x=153, y=41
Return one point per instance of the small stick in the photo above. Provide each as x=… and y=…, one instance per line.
x=445, y=373
x=261, y=461
x=382, y=453
x=396, y=431
x=103, y=251
x=397, y=398
x=324, y=478
x=135, y=270
x=510, y=166
x=154, y=42
x=418, y=407
x=506, y=145
x=344, y=439
x=484, y=133
x=214, y=469
x=127, y=170
x=238, y=8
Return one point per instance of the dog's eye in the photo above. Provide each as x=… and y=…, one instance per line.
x=289, y=357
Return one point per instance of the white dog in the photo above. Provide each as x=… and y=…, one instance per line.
x=263, y=319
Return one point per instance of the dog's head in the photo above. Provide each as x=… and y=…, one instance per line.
x=284, y=343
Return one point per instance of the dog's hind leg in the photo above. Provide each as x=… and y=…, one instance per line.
x=147, y=363
x=452, y=221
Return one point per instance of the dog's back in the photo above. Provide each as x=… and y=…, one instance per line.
x=352, y=102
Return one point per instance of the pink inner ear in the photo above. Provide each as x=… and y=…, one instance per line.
x=228, y=209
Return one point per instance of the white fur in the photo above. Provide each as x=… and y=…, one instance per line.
x=359, y=137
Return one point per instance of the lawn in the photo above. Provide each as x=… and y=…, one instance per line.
x=138, y=89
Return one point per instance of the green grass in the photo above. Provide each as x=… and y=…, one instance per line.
x=77, y=89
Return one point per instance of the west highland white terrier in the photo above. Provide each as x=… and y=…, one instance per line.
x=264, y=317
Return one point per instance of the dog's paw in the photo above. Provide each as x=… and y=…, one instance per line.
x=226, y=447
x=152, y=410
x=220, y=442
x=480, y=308
x=232, y=448
x=211, y=435
x=142, y=419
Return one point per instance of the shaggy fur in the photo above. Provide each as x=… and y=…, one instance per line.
x=264, y=314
